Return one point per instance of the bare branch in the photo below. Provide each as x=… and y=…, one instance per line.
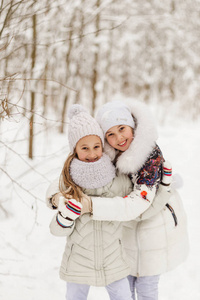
x=20, y=186
x=38, y=79
x=6, y=18
x=33, y=169
x=29, y=110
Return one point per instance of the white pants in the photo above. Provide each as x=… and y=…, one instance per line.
x=118, y=290
x=146, y=287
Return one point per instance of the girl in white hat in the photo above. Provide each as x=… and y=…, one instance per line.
x=157, y=240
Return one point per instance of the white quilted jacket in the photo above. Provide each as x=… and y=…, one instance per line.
x=94, y=252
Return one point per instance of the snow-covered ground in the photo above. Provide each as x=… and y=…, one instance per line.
x=30, y=256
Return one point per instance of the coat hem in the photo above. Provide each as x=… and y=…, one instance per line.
x=104, y=281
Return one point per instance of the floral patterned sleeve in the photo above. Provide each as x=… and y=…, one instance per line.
x=151, y=172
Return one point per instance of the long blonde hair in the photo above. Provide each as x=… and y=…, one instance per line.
x=66, y=182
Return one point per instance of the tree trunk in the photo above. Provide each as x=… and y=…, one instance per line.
x=45, y=89
x=96, y=59
x=78, y=81
x=68, y=56
x=33, y=57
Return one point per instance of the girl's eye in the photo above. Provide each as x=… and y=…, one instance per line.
x=96, y=147
x=121, y=128
x=110, y=134
x=84, y=148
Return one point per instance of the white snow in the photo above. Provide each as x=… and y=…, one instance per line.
x=30, y=256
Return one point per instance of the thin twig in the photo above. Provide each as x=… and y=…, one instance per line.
x=29, y=110
x=19, y=185
x=38, y=79
x=32, y=168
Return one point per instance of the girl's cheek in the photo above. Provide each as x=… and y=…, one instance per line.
x=111, y=143
x=109, y=140
x=81, y=157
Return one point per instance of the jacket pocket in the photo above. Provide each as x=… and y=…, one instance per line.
x=122, y=251
x=173, y=214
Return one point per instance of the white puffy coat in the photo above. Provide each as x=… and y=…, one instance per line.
x=154, y=242
x=94, y=252
x=156, y=245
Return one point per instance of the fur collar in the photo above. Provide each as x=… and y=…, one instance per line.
x=145, y=136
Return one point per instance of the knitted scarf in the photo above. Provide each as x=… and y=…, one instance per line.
x=92, y=175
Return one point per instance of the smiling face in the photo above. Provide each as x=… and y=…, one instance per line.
x=89, y=148
x=120, y=137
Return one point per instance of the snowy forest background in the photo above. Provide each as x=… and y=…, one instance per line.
x=55, y=53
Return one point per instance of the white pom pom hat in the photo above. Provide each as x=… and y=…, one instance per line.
x=112, y=114
x=81, y=124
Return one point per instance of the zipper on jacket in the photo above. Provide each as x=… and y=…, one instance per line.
x=138, y=249
x=98, y=251
x=173, y=214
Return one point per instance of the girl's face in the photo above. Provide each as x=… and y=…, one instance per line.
x=120, y=137
x=89, y=148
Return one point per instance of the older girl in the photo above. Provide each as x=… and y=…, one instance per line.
x=157, y=241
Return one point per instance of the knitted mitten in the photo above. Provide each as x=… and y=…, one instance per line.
x=68, y=211
x=69, y=208
x=167, y=174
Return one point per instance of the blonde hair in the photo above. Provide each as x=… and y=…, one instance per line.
x=66, y=182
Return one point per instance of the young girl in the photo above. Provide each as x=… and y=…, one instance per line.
x=158, y=242
x=94, y=253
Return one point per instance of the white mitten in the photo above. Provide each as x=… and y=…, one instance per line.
x=68, y=211
x=69, y=208
x=167, y=173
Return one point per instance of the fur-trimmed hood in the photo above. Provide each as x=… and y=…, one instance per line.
x=145, y=136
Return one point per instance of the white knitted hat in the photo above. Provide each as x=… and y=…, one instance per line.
x=112, y=114
x=81, y=124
